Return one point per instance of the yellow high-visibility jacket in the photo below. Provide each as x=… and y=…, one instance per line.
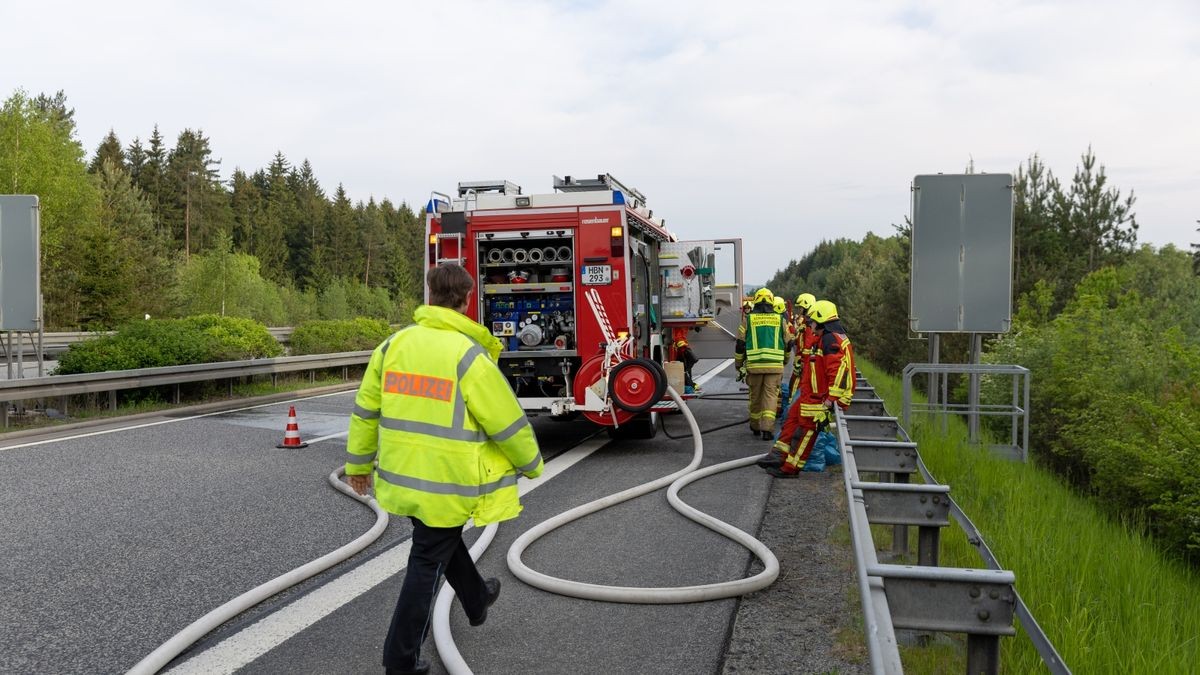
x=763, y=340
x=449, y=433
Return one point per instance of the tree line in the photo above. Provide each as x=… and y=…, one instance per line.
x=1109, y=330
x=152, y=228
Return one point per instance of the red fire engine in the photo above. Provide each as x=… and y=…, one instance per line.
x=589, y=292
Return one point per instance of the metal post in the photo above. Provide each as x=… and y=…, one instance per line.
x=176, y=393
x=983, y=654
x=112, y=400
x=973, y=392
x=927, y=546
x=8, y=352
x=899, y=532
x=934, y=351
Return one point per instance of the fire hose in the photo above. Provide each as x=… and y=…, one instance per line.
x=448, y=651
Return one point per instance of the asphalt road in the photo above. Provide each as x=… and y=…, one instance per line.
x=115, y=541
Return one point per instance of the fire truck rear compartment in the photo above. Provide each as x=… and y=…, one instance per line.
x=528, y=302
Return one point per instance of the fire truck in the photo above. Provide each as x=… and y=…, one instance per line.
x=589, y=292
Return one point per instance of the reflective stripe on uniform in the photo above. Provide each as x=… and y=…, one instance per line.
x=532, y=465
x=352, y=458
x=512, y=429
x=439, y=488
x=364, y=413
x=435, y=430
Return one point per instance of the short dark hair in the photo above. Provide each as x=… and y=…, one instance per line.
x=449, y=285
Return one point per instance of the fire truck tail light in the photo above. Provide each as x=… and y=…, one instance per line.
x=617, y=231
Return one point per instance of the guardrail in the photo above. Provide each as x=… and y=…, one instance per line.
x=113, y=381
x=978, y=602
x=54, y=344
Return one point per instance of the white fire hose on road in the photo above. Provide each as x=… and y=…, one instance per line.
x=443, y=639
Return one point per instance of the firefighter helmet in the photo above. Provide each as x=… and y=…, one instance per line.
x=805, y=301
x=763, y=295
x=823, y=311
x=779, y=305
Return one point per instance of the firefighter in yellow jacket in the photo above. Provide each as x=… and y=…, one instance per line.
x=762, y=345
x=450, y=439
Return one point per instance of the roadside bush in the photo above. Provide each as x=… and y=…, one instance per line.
x=329, y=337
x=1115, y=394
x=171, y=342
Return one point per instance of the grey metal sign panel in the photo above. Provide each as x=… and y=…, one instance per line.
x=962, y=253
x=20, y=263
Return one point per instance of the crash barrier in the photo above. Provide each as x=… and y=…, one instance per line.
x=1017, y=410
x=16, y=391
x=924, y=597
x=54, y=344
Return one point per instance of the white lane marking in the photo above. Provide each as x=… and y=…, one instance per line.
x=248, y=644
x=169, y=421
x=713, y=373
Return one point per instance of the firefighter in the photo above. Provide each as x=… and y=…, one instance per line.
x=683, y=352
x=827, y=379
x=763, y=342
x=806, y=342
x=450, y=439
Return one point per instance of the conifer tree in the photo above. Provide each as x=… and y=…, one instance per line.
x=108, y=150
x=198, y=206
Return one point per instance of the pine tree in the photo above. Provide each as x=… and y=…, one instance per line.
x=302, y=232
x=340, y=235
x=198, y=206
x=151, y=178
x=108, y=150
x=136, y=162
x=246, y=202
x=270, y=241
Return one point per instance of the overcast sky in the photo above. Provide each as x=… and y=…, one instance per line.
x=782, y=122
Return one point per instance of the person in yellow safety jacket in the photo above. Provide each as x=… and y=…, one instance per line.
x=763, y=342
x=450, y=438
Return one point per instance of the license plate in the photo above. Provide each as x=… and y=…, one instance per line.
x=594, y=275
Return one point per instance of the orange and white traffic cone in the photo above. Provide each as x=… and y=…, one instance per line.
x=291, y=436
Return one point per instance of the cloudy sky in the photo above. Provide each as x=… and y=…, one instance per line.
x=782, y=122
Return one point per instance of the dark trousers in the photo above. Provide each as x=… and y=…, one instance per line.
x=435, y=551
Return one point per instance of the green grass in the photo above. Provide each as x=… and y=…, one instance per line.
x=1108, y=599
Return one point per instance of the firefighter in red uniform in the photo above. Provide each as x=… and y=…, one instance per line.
x=827, y=379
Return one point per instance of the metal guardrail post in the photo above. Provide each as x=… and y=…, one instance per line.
x=980, y=603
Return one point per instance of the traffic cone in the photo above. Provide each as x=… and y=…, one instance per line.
x=291, y=436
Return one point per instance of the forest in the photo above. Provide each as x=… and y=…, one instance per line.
x=150, y=228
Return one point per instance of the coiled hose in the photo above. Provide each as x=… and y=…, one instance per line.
x=627, y=594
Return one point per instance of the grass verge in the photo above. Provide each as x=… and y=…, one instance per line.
x=1107, y=597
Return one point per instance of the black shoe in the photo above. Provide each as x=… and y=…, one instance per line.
x=493, y=592
x=768, y=435
x=772, y=458
x=778, y=472
x=421, y=668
